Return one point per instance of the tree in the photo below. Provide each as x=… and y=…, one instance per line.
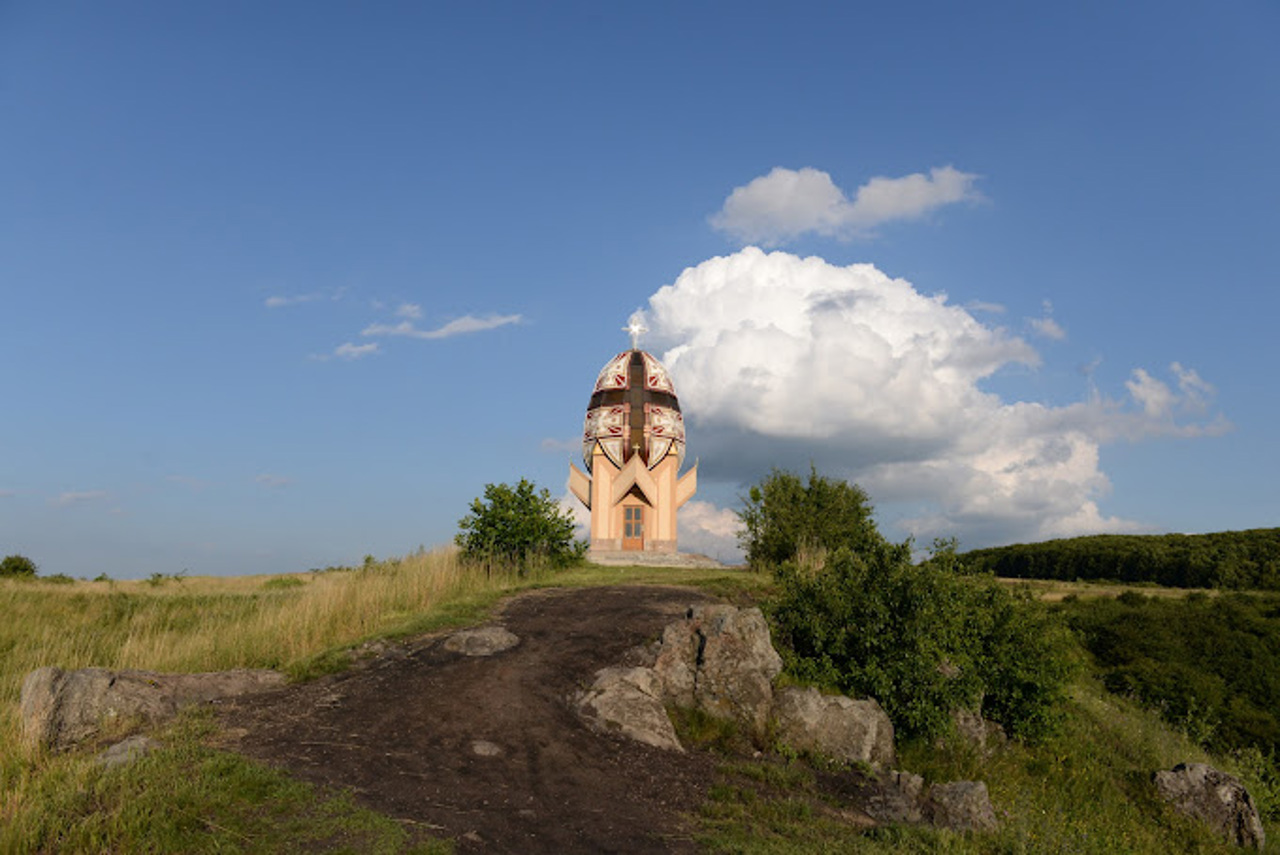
x=518, y=524
x=784, y=517
x=18, y=566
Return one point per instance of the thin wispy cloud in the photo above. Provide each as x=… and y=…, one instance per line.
x=350, y=351
x=1048, y=328
x=409, y=310
x=280, y=301
x=5, y=494
x=458, y=326
x=788, y=203
x=272, y=482
x=78, y=497
x=573, y=445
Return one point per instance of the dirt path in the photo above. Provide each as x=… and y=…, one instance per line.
x=486, y=750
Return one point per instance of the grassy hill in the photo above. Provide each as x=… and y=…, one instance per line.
x=1086, y=789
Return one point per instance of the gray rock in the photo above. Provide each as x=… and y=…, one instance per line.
x=976, y=732
x=719, y=659
x=960, y=806
x=481, y=641
x=856, y=731
x=893, y=797
x=60, y=708
x=629, y=701
x=1215, y=798
x=125, y=752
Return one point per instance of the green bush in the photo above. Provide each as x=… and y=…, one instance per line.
x=518, y=524
x=921, y=642
x=784, y=517
x=853, y=613
x=18, y=566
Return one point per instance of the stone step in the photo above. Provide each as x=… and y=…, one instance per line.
x=620, y=558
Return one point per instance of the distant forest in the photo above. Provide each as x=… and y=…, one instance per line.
x=1231, y=559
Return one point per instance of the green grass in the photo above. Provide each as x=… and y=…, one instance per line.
x=187, y=797
x=1086, y=789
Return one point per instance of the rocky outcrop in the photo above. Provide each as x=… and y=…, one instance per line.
x=481, y=641
x=855, y=731
x=629, y=701
x=1215, y=798
x=64, y=708
x=896, y=797
x=719, y=659
x=960, y=806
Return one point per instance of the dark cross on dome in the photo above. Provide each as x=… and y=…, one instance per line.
x=637, y=328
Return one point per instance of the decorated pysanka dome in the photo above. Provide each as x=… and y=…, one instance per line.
x=634, y=410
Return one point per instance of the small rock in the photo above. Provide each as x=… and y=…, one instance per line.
x=855, y=731
x=960, y=806
x=629, y=701
x=482, y=641
x=485, y=748
x=1215, y=798
x=125, y=752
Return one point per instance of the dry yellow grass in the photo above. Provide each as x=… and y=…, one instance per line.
x=204, y=624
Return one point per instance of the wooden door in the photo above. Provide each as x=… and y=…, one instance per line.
x=633, y=527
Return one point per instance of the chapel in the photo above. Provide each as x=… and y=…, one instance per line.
x=633, y=445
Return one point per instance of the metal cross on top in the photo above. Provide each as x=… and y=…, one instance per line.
x=637, y=328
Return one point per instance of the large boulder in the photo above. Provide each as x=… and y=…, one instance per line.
x=60, y=708
x=719, y=659
x=856, y=731
x=629, y=701
x=960, y=806
x=1215, y=798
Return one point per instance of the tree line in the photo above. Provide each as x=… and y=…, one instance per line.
x=1236, y=560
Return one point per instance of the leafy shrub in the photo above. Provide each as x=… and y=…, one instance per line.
x=58, y=579
x=18, y=566
x=281, y=583
x=852, y=612
x=784, y=517
x=518, y=524
x=921, y=642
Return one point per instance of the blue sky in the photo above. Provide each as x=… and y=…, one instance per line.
x=285, y=284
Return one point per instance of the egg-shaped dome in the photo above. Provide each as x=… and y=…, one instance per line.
x=634, y=410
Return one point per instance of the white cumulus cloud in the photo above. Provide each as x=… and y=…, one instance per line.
x=709, y=530
x=787, y=361
x=787, y=203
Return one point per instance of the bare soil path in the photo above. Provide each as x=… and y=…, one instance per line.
x=487, y=750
